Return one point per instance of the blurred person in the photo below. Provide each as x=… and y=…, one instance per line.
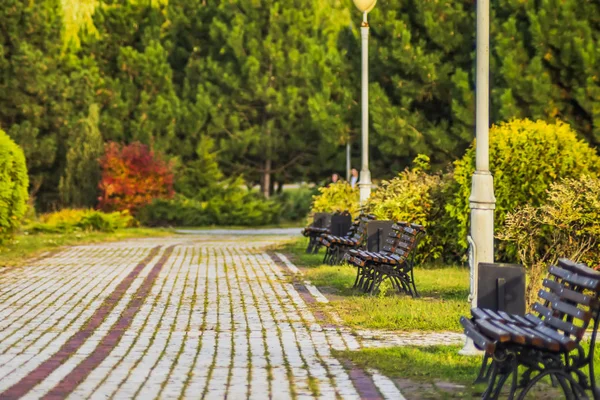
x=353, y=177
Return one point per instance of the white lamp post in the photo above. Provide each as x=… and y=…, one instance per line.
x=365, y=175
x=482, y=200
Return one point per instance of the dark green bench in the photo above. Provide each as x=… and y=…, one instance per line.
x=337, y=246
x=396, y=261
x=546, y=343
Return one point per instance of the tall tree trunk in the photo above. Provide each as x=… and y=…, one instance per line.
x=266, y=187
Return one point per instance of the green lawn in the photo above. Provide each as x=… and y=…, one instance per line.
x=426, y=364
x=436, y=365
x=25, y=246
x=443, y=289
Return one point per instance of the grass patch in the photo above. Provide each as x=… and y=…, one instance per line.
x=436, y=365
x=444, y=291
x=25, y=246
x=296, y=249
x=425, y=364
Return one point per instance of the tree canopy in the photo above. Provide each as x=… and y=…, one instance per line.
x=270, y=89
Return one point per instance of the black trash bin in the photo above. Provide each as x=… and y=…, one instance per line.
x=321, y=220
x=377, y=233
x=501, y=287
x=340, y=224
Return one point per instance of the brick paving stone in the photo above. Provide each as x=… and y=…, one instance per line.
x=209, y=317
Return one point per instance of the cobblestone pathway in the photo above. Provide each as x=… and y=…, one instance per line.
x=199, y=317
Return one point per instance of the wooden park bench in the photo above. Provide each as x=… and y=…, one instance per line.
x=396, y=261
x=337, y=246
x=321, y=225
x=544, y=344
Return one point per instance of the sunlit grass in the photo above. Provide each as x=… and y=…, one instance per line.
x=435, y=364
x=443, y=289
x=427, y=364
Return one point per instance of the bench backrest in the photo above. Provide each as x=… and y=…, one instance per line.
x=404, y=240
x=358, y=230
x=569, y=299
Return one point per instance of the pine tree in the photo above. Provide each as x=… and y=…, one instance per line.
x=79, y=185
x=43, y=90
x=137, y=96
x=261, y=72
x=547, y=54
x=200, y=178
x=421, y=90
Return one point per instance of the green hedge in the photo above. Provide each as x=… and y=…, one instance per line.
x=235, y=206
x=13, y=186
x=295, y=203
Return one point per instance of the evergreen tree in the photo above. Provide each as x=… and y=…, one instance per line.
x=546, y=54
x=137, y=97
x=261, y=71
x=79, y=185
x=200, y=178
x=420, y=68
x=43, y=90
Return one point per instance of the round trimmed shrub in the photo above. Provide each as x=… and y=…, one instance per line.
x=13, y=186
x=525, y=158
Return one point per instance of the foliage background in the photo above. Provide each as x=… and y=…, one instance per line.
x=268, y=90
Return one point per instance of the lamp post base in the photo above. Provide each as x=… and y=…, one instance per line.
x=364, y=186
x=469, y=349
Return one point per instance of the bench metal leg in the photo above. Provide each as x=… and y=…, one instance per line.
x=364, y=278
x=316, y=247
x=412, y=280
x=358, y=275
x=485, y=370
x=310, y=245
x=327, y=255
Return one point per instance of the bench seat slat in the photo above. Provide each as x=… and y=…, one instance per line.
x=515, y=335
x=530, y=337
x=509, y=318
x=524, y=321
x=480, y=313
x=480, y=340
x=488, y=328
x=547, y=342
x=566, y=343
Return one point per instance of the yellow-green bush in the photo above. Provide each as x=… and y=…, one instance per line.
x=13, y=186
x=410, y=197
x=70, y=220
x=337, y=197
x=566, y=225
x=525, y=158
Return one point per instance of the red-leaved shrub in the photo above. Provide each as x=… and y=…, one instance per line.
x=132, y=176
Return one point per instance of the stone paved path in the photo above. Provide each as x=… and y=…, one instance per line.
x=191, y=317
